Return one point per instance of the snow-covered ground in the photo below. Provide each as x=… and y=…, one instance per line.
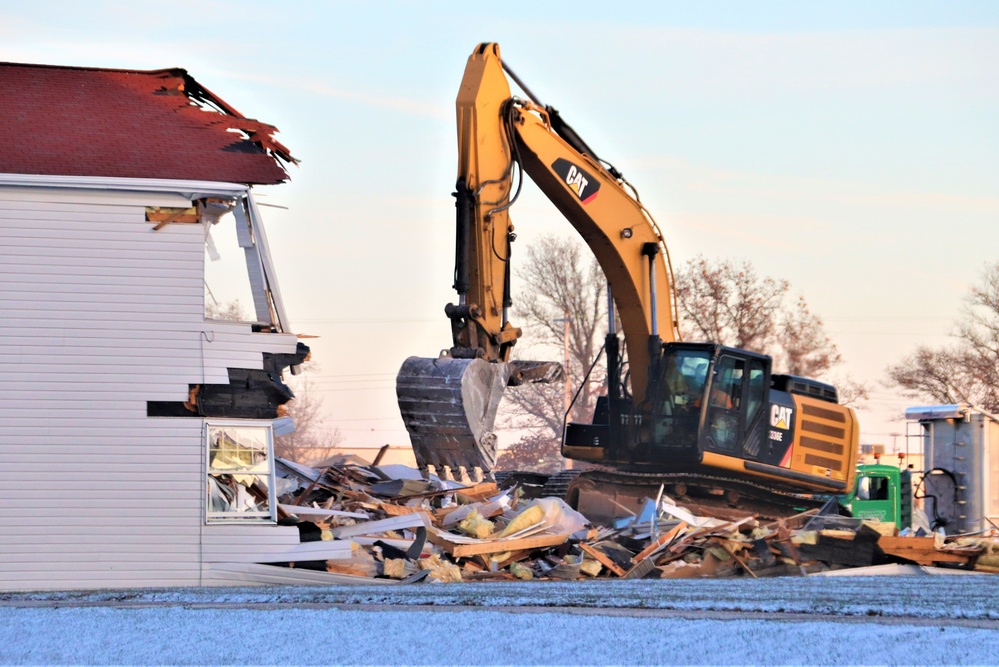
x=940, y=620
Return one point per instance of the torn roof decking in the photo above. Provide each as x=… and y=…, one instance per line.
x=74, y=121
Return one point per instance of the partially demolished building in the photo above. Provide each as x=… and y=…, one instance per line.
x=136, y=432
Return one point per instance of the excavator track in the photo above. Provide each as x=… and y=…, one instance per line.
x=604, y=495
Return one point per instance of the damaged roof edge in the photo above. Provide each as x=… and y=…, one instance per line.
x=198, y=93
x=131, y=123
x=194, y=189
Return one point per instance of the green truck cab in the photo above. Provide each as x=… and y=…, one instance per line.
x=882, y=493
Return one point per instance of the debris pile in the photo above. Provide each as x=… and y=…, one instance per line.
x=402, y=526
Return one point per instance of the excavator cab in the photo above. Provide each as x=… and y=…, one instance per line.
x=704, y=398
x=723, y=413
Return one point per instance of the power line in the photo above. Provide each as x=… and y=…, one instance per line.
x=889, y=318
x=368, y=320
x=359, y=388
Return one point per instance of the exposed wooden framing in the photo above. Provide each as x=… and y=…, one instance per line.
x=163, y=215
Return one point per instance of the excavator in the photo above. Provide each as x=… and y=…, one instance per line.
x=687, y=418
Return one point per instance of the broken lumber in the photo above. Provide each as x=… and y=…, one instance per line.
x=922, y=550
x=460, y=548
x=603, y=559
x=659, y=544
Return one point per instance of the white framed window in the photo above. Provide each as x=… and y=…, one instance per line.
x=240, y=483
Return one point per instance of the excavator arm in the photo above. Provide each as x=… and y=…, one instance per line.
x=616, y=228
x=449, y=403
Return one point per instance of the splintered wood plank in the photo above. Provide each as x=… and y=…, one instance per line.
x=921, y=550
x=167, y=215
x=346, y=569
x=658, y=544
x=603, y=559
x=784, y=536
x=478, y=492
x=477, y=547
x=731, y=552
x=401, y=510
x=793, y=522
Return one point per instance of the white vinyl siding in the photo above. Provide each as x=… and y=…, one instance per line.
x=101, y=314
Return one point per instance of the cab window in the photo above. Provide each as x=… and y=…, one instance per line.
x=872, y=488
x=757, y=389
x=724, y=423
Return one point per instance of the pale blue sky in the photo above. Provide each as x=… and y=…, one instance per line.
x=851, y=148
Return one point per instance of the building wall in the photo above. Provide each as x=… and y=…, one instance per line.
x=98, y=315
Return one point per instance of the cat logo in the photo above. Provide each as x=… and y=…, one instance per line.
x=780, y=416
x=582, y=184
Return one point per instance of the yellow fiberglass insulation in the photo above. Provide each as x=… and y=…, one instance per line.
x=525, y=519
x=475, y=526
x=440, y=570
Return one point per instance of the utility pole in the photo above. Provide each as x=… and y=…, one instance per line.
x=565, y=359
x=568, y=379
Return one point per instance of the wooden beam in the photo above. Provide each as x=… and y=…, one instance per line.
x=166, y=215
x=921, y=550
x=478, y=547
x=659, y=544
x=731, y=552
x=603, y=559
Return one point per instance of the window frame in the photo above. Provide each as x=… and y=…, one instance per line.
x=214, y=517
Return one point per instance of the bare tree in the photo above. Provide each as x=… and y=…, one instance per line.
x=728, y=303
x=229, y=310
x=313, y=439
x=805, y=348
x=968, y=370
x=559, y=291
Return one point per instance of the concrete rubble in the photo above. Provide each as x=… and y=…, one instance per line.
x=406, y=528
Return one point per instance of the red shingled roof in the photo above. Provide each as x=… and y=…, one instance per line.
x=75, y=121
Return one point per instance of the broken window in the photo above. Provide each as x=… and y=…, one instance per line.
x=240, y=472
x=238, y=275
x=228, y=292
x=239, y=281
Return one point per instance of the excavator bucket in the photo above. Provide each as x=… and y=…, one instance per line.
x=449, y=408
